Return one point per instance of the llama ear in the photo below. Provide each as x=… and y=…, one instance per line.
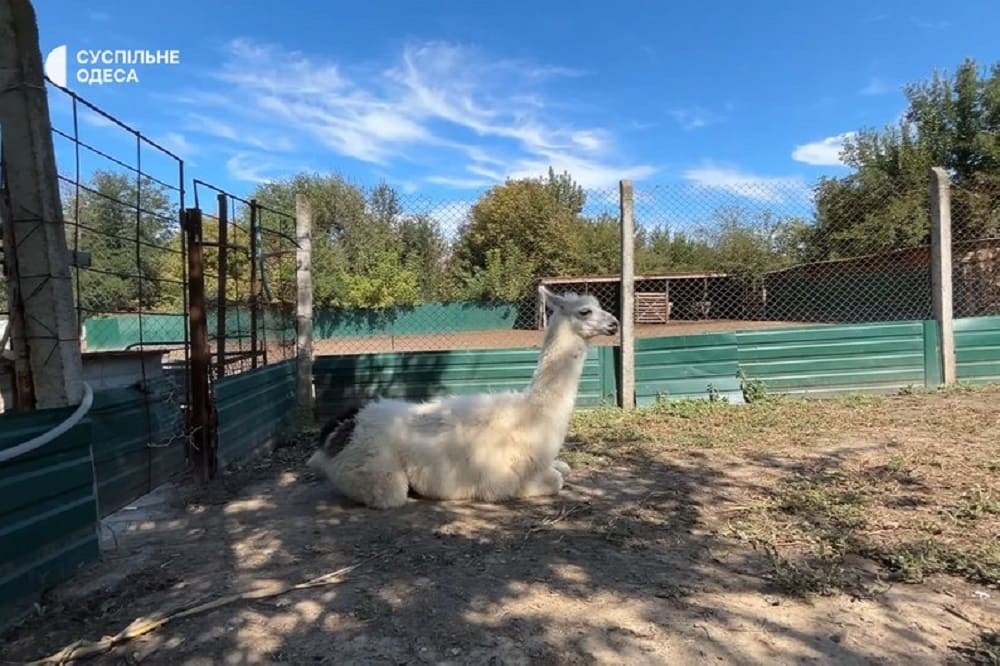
x=549, y=297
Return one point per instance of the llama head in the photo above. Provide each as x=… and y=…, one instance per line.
x=582, y=314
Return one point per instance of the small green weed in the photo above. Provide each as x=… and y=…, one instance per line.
x=754, y=390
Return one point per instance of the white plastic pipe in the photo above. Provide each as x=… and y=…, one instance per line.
x=45, y=438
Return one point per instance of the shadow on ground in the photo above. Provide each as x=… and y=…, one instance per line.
x=622, y=567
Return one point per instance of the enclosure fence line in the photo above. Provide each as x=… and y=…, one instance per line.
x=401, y=272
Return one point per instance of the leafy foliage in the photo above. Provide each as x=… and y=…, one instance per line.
x=952, y=122
x=126, y=227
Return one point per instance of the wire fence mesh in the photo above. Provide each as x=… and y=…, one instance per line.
x=405, y=272
x=975, y=215
x=121, y=194
x=398, y=271
x=121, y=205
x=250, y=303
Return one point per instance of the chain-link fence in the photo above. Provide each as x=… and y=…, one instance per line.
x=975, y=216
x=394, y=271
x=248, y=264
x=743, y=254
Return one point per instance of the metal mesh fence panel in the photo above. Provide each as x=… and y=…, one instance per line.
x=395, y=271
x=404, y=272
x=744, y=254
x=975, y=219
x=121, y=194
x=398, y=272
x=248, y=264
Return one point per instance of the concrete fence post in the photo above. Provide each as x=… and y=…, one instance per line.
x=304, y=309
x=45, y=332
x=941, y=276
x=627, y=379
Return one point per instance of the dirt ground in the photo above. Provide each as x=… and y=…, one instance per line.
x=780, y=532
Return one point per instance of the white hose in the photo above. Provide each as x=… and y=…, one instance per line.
x=45, y=438
x=6, y=335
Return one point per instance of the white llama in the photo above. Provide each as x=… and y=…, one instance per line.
x=488, y=447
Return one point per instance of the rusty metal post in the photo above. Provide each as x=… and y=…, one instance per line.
x=202, y=441
x=220, y=325
x=254, y=283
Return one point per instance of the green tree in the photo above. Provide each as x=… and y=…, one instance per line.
x=660, y=251
x=527, y=223
x=128, y=228
x=598, y=246
x=366, y=253
x=748, y=245
x=507, y=275
x=950, y=121
x=424, y=251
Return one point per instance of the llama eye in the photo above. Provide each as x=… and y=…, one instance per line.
x=585, y=312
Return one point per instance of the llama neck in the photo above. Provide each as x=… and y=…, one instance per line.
x=560, y=365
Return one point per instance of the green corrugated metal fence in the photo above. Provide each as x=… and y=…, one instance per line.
x=829, y=360
x=815, y=360
x=121, y=330
x=977, y=349
x=421, y=375
x=687, y=366
x=139, y=440
x=253, y=408
x=818, y=360
x=48, y=509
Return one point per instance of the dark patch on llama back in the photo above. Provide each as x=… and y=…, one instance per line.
x=337, y=431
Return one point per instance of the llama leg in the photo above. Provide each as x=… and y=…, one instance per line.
x=372, y=478
x=547, y=482
x=561, y=467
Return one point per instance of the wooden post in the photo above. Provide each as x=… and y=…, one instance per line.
x=941, y=278
x=202, y=433
x=43, y=320
x=220, y=324
x=304, y=308
x=627, y=383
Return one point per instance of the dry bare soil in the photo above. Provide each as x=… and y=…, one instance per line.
x=858, y=530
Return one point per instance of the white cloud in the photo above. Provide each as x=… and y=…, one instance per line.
x=94, y=119
x=769, y=189
x=876, y=86
x=696, y=117
x=203, y=124
x=825, y=152
x=442, y=107
x=178, y=144
x=260, y=168
x=460, y=183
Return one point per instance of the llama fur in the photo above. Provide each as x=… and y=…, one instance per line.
x=488, y=447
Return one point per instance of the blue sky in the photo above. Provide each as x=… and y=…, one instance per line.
x=443, y=99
